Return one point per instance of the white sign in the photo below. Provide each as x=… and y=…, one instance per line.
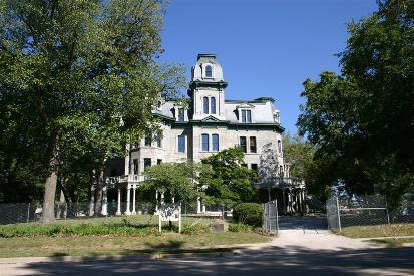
x=169, y=213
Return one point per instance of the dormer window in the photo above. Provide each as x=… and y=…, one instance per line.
x=208, y=71
x=180, y=114
x=246, y=116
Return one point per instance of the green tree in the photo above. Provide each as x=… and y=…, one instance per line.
x=361, y=121
x=228, y=181
x=178, y=179
x=82, y=77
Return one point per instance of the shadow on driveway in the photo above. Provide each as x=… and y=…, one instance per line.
x=302, y=222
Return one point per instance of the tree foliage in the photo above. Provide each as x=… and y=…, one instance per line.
x=362, y=120
x=228, y=181
x=78, y=80
x=178, y=179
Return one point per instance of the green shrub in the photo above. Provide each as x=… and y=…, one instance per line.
x=248, y=213
x=239, y=227
x=195, y=229
x=34, y=230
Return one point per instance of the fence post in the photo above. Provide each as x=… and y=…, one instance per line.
x=327, y=215
x=339, y=215
x=28, y=213
x=277, y=218
x=386, y=209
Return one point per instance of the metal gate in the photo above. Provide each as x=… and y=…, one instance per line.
x=271, y=218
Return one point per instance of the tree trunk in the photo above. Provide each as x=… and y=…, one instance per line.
x=98, y=191
x=91, y=191
x=48, y=210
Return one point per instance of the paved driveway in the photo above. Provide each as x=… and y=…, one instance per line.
x=295, y=252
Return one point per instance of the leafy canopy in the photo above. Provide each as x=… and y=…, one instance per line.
x=362, y=121
x=178, y=179
x=228, y=181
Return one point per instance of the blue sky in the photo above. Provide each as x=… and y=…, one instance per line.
x=266, y=47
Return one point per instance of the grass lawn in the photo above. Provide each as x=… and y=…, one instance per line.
x=101, y=245
x=115, y=236
x=376, y=231
x=394, y=241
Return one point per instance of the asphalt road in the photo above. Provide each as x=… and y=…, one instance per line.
x=295, y=252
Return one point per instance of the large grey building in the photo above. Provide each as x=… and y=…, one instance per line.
x=209, y=124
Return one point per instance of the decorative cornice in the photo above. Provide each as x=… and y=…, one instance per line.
x=197, y=83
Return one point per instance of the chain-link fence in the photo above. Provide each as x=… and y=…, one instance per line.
x=11, y=213
x=365, y=210
x=271, y=218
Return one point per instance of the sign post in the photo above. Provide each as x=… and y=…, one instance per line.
x=170, y=212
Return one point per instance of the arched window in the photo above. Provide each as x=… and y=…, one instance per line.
x=205, y=142
x=208, y=71
x=205, y=105
x=213, y=105
x=216, y=143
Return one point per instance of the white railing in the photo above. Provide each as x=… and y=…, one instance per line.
x=124, y=179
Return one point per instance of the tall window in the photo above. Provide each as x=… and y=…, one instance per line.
x=209, y=71
x=181, y=143
x=249, y=116
x=279, y=146
x=158, y=139
x=147, y=141
x=206, y=104
x=246, y=116
x=135, y=161
x=254, y=168
x=147, y=163
x=205, y=142
x=243, y=143
x=253, y=147
x=181, y=114
x=216, y=143
x=213, y=105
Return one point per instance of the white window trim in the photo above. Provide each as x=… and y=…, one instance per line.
x=219, y=142
x=176, y=108
x=241, y=115
x=203, y=71
x=209, y=142
x=185, y=144
x=248, y=152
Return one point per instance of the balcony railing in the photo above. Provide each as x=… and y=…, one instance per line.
x=131, y=178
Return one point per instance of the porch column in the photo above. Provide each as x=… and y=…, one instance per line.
x=134, y=187
x=173, y=200
x=304, y=202
x=156, y=201
x=162, y=199
x=203, y=207
x=127, y=210
x=104, y=211
x=198, y=205
x=118, y=207
x=284, y=201
x=126, y=164
x=288, y=202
